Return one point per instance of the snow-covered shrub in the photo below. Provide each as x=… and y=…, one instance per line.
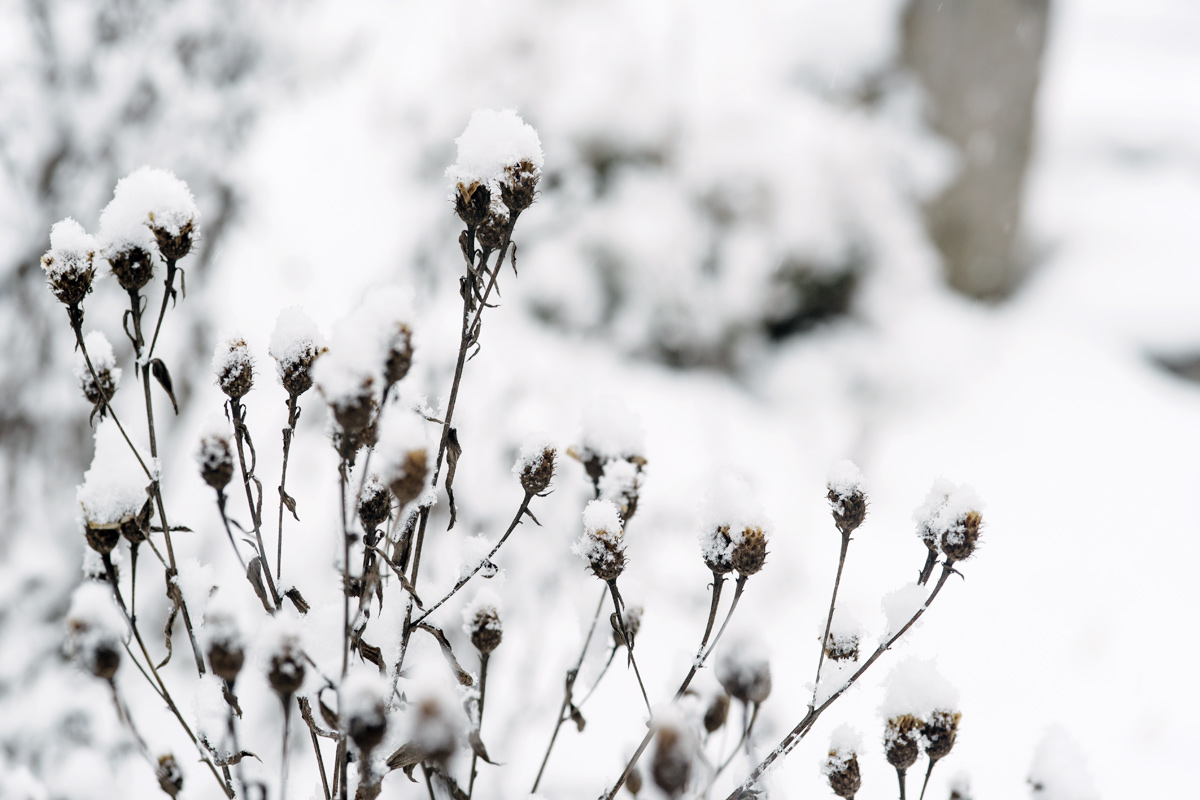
x=361, y=641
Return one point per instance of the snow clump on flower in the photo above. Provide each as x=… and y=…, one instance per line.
x=295, y=344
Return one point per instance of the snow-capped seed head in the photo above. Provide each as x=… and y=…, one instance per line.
x=847, y=496
x=481, y=621
x=674, y=752
x=154, y=199
x=234, y=367
x=375, y=505
x=939, y=733
x=296, y=342
x=950, y=519
x=841, y=646
x=226, y=643
x=95, y=630
x=498, y=168
x=105, y=364
x=535, y=464
x=841, y=765
x=215, y=455
x=632, y=617
x=959, y=541
x=744, y=671
x=362, y=701
x=621, y=482
x=170, y=776
x=734, y=528
x=69, y=262
x=716, y=713
x=601, y=544
x=285, y=662
x=399, y=354
x=717, y=549
x=902, y=741
x=109, y=501
x=403, y=453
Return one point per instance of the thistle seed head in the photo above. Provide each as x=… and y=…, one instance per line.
x=673, y=754
x=538, y=470
x=215, y=457
x=844, y=776
x=170, y=776
x=847, y=496
x=718, y=554
x=940, y=732
x=69, y=262
x=485, y=628
x=519, y=187
x=234, y=367
x=286, y=668
x=901, y=741
x=959, y=541
x=133, y=267
x=841, y=646
x=471, y=203
x=409, y=481
x=375, y=505
x=717, y=713
x=750, y=553
x=175, y=243
x=633, y=781
x=399, y=355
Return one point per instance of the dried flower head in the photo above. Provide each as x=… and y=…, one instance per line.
x=939, y=733
x=496, y=175
x=749, y=551
x=226, y=643
x=215, y=455
x=902, y=741
x=362, y=702
x=170, y=776
x=535, y=464
x=633, y=781
x=621, y=482
x=234, y=367
x=403, y=454
x=285, y=661
x=716, y=713
x=841, y=765
x=95, y=630
x=481, y=622
x=950, y=519
x=735, y=531
x=100, y=388
x=744, y=671
x=675, y=750
x=109, y=499
x=151, y=201
x=842, y=645
x=847, y=496
x=601, y=544
x=68, y=262
x=375, y=504
x=296, y=342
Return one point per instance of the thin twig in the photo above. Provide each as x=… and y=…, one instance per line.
x=928, y=772
x=288, y=433
x=616, y=598
x=837, y=581
x=572, y=674
x=240, y=433
x=483, y=665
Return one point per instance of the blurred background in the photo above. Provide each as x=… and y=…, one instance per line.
x=938, y=237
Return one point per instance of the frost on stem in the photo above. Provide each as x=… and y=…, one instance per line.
x=68, y=262
x=744, y=670
x=214, y=455
x=481, y=621
x=113, y=492
x=847, y=495
x=362, y=708
x=151, y=208
x=950, y=518
x=1059, y=770
x=234, y=367
x=918, y=702
x=402, y=454
x=534, y=466
x=734, y=529
x=295, y=344
x=95, y=630
x=497, y=172
x=841, y=765
x=107, y=371
x=601, y=544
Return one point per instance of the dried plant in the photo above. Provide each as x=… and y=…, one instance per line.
x=392, y=460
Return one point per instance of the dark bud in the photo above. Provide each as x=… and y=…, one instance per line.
x=486, y=630
x=842, y=647
x=226, y=658
x=410, y=480
x=104, y=659
x=750, y=553
x=98, y=394
x=296, y=373
x=959, y=542
x=234, y=368
x=633, y=781
x=355, y=412
x=215, y=457
x=399, y=355
x=170, y=776
x=375, y=506
x=717, y=557
x=608, y=560
x=367, y=727
x=537, y=474
x=133, y=268
x=135, y=529
x=940, y=732
x=286, y=672
x=717, y=713
x=102, y=539
x=844, y=776
x=519, y=187
x=748, y=682
x=471, y=204
x=672, y=765
x=900, y=741
x=174, y=246
x=849, y=510
x=69, y=287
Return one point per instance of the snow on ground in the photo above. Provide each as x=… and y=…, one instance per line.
x=1070, y=612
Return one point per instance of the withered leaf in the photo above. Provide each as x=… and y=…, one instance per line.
x=159, y=370
x=176, y=598
x=406, y=757
x=289, y=502
x=577, y=718
x=236, y=758
x=460, y=674
x=297, y=599
x=453, y=451
x=254, y=575
x=477, y=746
